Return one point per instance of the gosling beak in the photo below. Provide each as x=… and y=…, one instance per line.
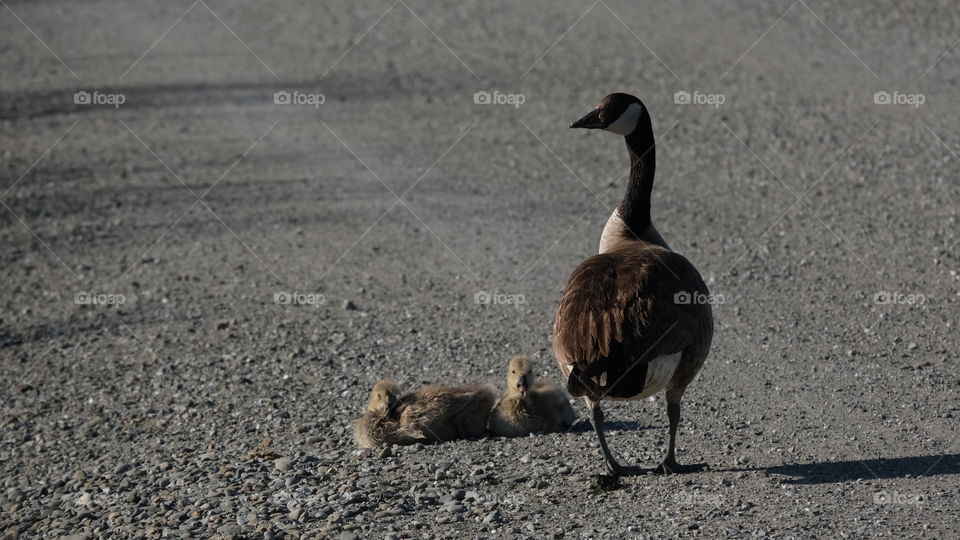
x=590, y=121
x=522, y=386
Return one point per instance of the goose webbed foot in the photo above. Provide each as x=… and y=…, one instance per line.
x=670, y=466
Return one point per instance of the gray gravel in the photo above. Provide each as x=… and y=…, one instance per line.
x=216, y=399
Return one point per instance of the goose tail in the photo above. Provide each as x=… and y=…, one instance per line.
x=581, y=384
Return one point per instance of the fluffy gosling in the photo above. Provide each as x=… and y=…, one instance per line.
x=530, y=406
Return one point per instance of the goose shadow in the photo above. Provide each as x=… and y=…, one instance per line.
x=828, y=472
x=584, y=425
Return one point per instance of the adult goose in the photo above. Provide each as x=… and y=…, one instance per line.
x=633, y=320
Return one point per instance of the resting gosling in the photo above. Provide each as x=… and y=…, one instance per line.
x=378, y=425
x=445, y=413
x=431, y=414
x=530, y=406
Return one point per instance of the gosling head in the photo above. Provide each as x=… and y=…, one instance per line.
x=519, y=376
x=383, y=397
x=617, y=113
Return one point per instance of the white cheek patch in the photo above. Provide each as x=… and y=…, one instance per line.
x=627, y=121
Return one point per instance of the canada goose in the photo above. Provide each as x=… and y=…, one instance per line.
x=530, y=406
x=632, y=320
x=431, y=414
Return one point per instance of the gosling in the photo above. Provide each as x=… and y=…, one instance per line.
x=445, y=413
x=378, y=425
x=431, y=414
x=530, y=406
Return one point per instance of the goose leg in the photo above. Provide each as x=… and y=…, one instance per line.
x=669, y=464
x=612, y=466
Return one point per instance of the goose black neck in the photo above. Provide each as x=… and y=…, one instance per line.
x=634, y=209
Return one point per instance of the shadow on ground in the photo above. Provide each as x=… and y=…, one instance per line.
x=583, y=426
x=866, y=469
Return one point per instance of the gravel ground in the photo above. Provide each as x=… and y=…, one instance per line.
x=201, y=405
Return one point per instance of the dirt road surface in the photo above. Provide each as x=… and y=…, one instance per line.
x=223, y=221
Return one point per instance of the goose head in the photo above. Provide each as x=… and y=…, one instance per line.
x=519, y=376
x=383, y=397
x=617, y=113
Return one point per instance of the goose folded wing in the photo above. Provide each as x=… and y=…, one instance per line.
x=619, y=311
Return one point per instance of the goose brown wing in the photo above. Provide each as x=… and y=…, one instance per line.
x=622, y=309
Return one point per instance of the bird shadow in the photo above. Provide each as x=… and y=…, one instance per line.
x=584, y=426
x=827, y=472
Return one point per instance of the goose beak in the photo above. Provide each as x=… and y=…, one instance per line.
x=590, y=121
x=522, y=386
